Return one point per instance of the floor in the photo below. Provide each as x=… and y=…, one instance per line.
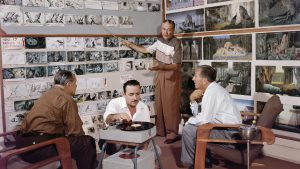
x=171, y=156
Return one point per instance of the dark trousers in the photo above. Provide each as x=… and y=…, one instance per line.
x=83, y=149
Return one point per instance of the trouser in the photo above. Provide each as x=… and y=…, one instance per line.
x=167, y=102
x=189, y=134
x=83, y=149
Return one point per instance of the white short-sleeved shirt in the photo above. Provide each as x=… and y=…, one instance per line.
x=167, y=51
x=118, y=105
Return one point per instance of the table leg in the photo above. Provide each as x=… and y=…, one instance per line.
x=136, y=157
x=102, y=154
x=156, y=154
x=248, y=158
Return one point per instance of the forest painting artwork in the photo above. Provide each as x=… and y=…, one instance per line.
x=278, y=46
x=228, y=47
x=235, y=79
x=283, y=80
x=188, y=21
x=192, y=48
x=233, y=16
x=279, y=12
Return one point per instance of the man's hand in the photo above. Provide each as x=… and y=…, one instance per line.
x=196, y=96
x=117, y=117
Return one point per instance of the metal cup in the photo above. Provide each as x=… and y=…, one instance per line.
x=248, y=132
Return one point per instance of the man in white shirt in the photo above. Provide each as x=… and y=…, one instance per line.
x=129, y=107
x=210, y=103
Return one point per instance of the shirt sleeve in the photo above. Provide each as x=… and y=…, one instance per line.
x=205, y=116
x=151, y=49
x=111, y=108
x=194, y=108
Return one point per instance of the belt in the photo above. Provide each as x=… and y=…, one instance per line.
x=34, y=133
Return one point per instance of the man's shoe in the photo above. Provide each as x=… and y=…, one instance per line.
x=170, y=141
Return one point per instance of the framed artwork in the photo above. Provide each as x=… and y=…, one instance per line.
x=233, y=16
x=278, y=46
x=192, y=48
x=188, y=21
x=283, y=80
x=228, y=47
x=235, y=79
x=279, y=12
x=216, y=1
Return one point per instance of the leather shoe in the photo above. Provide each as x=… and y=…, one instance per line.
x=171, y=140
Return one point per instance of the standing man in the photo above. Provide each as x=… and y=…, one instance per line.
x=167, y=81
x=217, y=107
x=129, y=107
x=55, y=114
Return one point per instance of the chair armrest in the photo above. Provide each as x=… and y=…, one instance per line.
x=9, y=139
x=203, y=132
x=62, y=146
x=267, y=135
x=250, y=114
x=13, y=133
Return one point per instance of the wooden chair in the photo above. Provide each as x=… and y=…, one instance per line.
x=62, y=146
x=265, y=122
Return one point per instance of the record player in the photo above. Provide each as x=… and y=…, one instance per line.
x=134, y=132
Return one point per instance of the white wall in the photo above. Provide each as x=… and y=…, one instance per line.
x=284, y=149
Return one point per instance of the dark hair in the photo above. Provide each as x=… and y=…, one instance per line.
x=209, y=72
x=62, y=77
x=170, y=22
x=130, y=83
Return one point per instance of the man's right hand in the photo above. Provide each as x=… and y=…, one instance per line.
x=196, y=95
x=118, y=117
x=122, y=116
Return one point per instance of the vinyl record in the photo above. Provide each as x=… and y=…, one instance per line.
x=135, y=126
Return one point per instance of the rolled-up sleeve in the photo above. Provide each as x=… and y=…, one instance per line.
x=151, y=49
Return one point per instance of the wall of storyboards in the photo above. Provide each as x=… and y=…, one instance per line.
x=255, y=47
x=83, y=37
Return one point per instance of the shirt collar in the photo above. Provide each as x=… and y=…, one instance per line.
x=210, y=86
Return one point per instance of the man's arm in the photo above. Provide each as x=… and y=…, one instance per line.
x=117, y=117
x=165, y=67
x=137, y=48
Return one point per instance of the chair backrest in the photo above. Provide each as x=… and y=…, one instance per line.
x=270, y=112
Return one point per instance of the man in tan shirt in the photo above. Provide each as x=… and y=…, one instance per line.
x=55, y=114
x=168, y=54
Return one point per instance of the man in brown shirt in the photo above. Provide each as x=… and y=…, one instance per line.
x=167, y=81
x=55, y=114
